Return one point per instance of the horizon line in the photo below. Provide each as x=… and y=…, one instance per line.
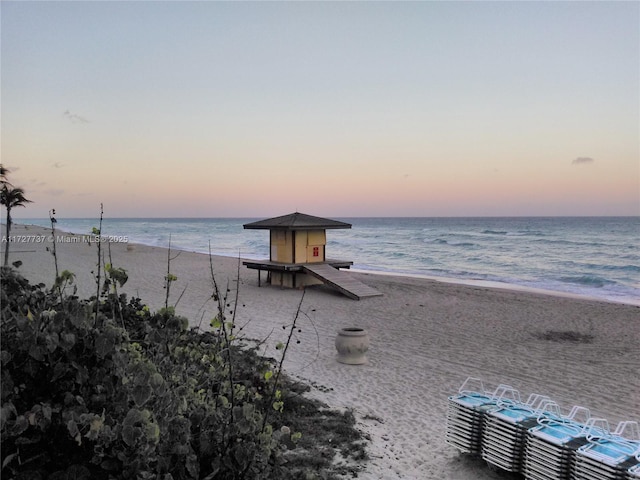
x=16, y=220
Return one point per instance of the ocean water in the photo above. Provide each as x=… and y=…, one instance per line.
x=597, y=257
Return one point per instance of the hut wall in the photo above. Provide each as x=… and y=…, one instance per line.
x=316, y=241
x=301, y=246
x=281, y=246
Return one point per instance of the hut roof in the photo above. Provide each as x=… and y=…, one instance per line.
x=296, y=221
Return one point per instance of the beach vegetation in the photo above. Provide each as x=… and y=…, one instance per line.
x=141, y=395
x=4, y=171
x=59, y=283
x=10, y=197
x=169, y=278
x=97, y=232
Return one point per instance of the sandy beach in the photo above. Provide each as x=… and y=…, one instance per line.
x=427, y=337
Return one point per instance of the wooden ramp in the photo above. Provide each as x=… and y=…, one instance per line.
x=341, y=281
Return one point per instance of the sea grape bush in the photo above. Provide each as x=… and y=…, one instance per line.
x=87, y=394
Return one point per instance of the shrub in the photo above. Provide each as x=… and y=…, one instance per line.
x=140, y=396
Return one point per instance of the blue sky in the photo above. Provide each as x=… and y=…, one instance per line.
x=332, y=108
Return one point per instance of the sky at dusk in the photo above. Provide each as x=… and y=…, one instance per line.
x=256, y=109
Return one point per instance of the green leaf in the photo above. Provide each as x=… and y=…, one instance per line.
x=67, y=275
x=267, y=375
x=77, y=472
x=36, y=352
x=133, y=416
x=7, y=412
x=5, y=357
x=152, y=432
x=248, y=409
x=8, y=460
x=20, y=426
x=193, y=465
x=94, y=427
x=156, y=380
x=47, y=411
x=128, y=435
x=67, y=341
x=141, y=394
x=119, y=275
x=52, y=341
x=104, y=346
x=72, y=426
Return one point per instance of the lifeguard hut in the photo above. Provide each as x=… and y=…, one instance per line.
x=297, y=246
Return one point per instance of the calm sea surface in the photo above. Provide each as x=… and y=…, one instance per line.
x=594, y=256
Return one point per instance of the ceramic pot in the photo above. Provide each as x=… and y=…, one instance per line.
x=352, y=344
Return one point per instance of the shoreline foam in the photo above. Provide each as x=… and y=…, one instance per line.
x=500, y=285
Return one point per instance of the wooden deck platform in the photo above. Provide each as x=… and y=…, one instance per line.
x=270, y=266
x=341, y=281
x=327, y=272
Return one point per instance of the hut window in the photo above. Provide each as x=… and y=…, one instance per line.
x=316, y=251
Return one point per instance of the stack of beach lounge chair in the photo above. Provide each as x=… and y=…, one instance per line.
x=634, y=472
x=608, y=456
x=505, y=429
x=534, y=439
x=550, y=446
x=466, y=413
